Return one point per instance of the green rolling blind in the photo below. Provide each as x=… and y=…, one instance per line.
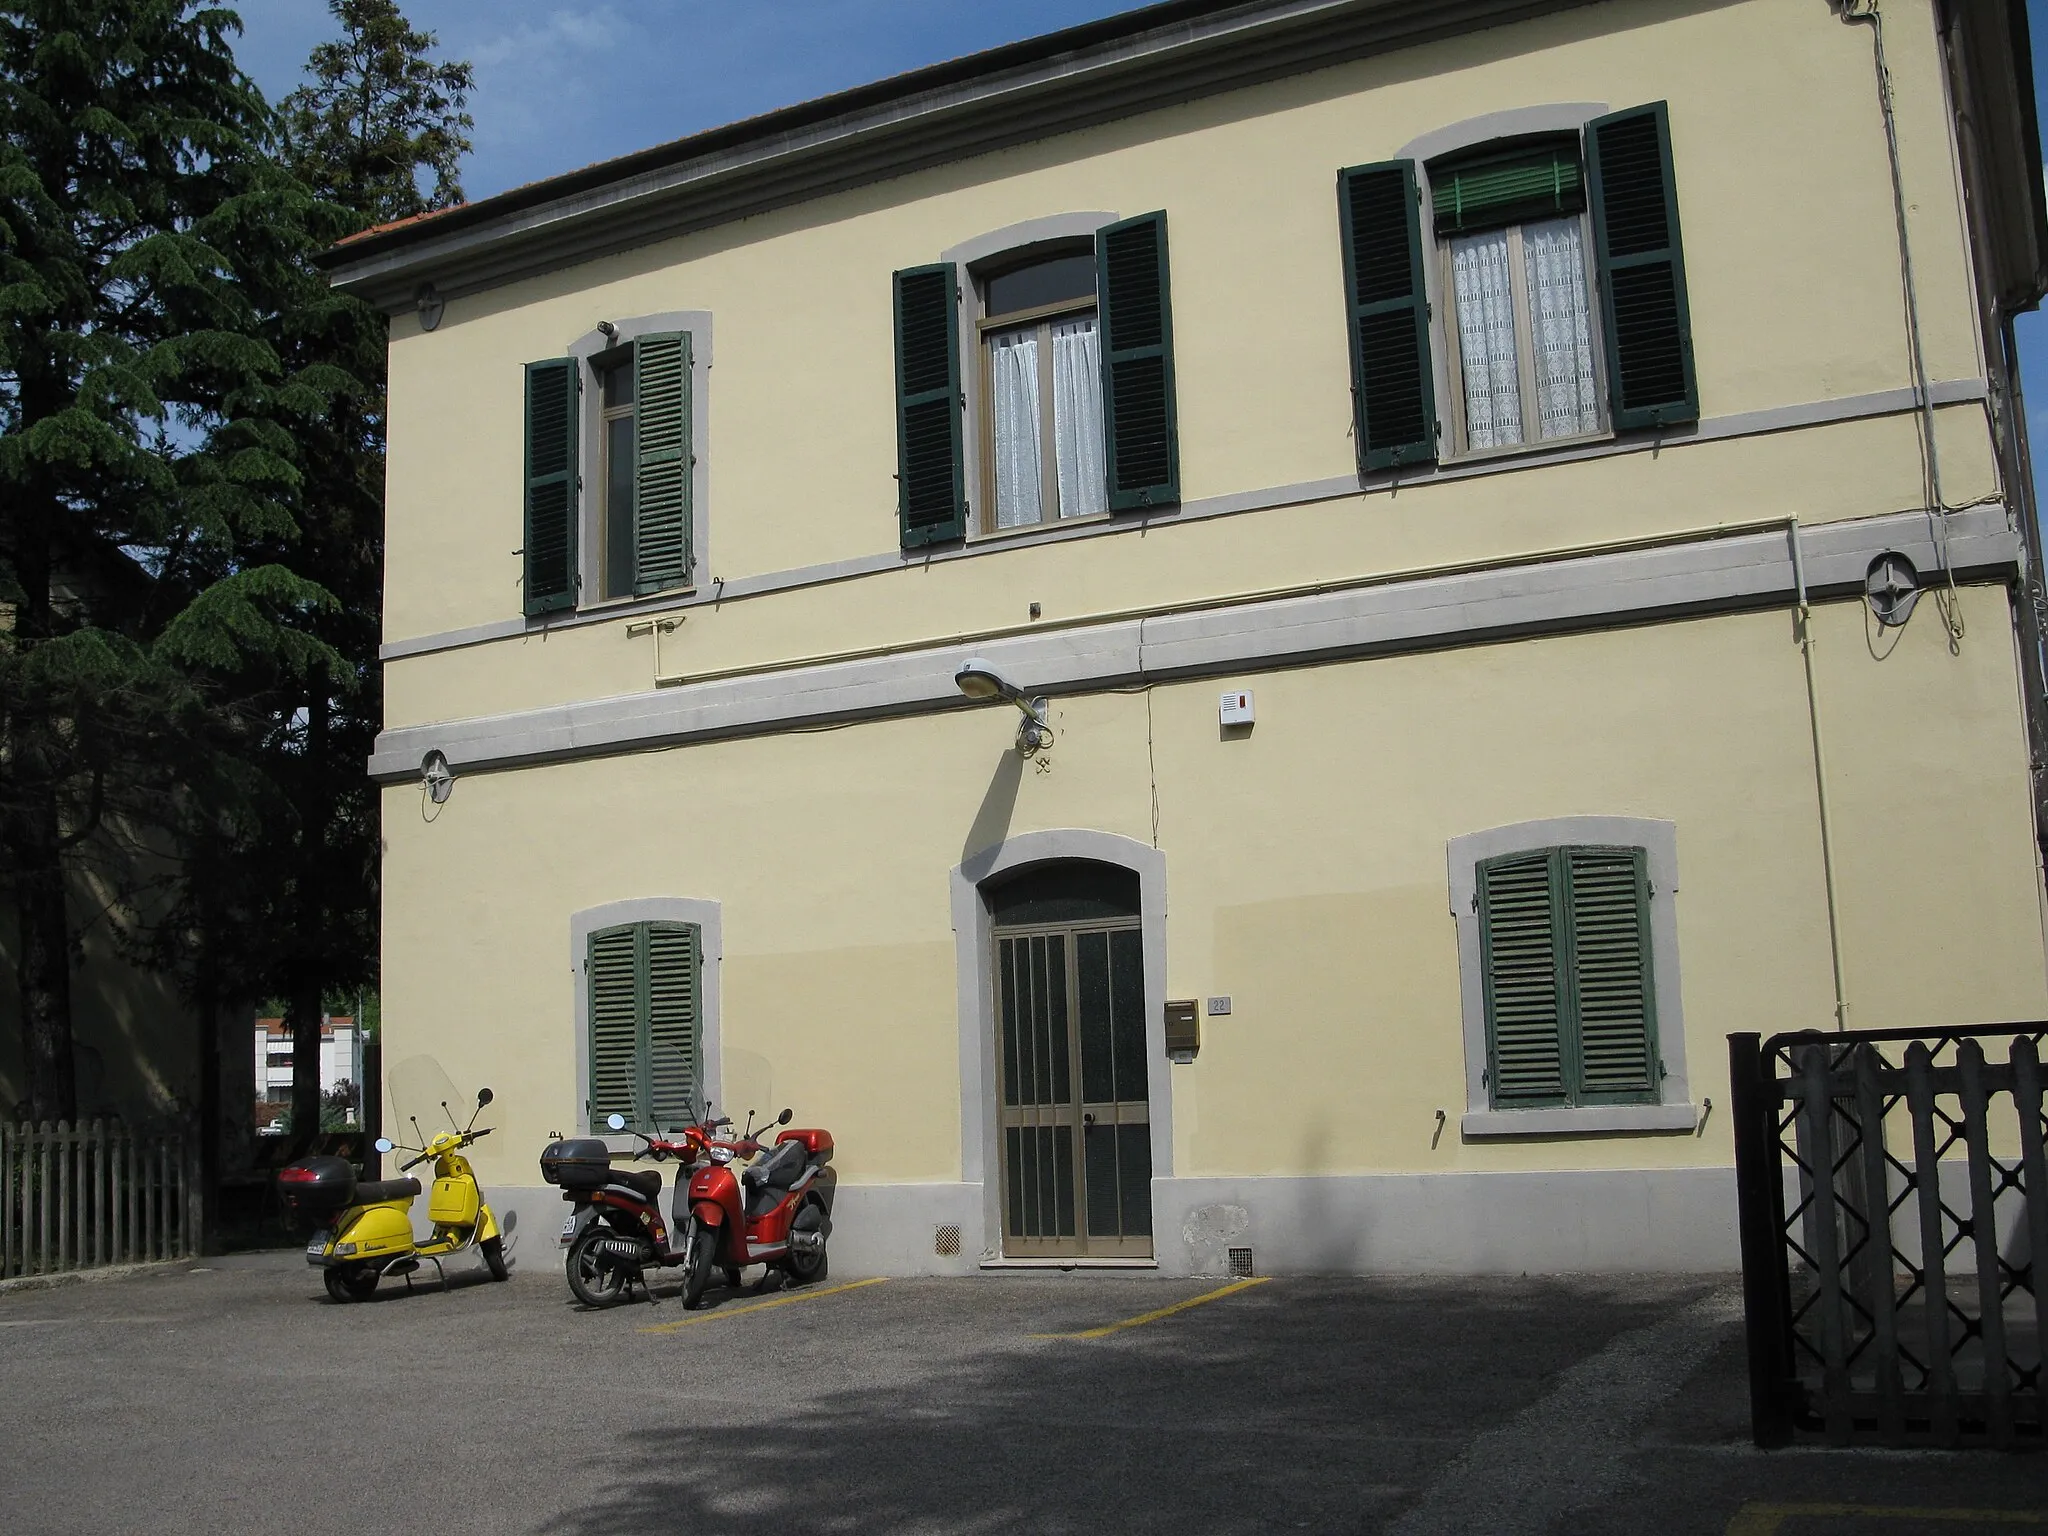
x=553, y=391
x=1570, y=999
x=663, y=458
x=1505, y=186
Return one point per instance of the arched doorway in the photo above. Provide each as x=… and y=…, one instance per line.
x=1074, y=1134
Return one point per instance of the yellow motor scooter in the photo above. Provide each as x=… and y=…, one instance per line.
x=370, y=1235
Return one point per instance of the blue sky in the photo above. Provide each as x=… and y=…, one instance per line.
x=560, y=86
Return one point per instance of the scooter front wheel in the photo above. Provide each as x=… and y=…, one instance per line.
x=494, y=1257
x=697, y=1273
x=351, y=1284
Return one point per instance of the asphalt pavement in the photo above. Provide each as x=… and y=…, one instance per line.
x=232, y=1395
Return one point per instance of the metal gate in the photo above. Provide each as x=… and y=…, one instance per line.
x=1893, y=1199
x=1076, y=1117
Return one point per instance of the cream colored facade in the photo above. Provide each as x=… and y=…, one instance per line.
x=1605, y=631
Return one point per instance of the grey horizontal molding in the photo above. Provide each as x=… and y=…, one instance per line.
x=1587, y=591
x=1784, y=418
x=1028, y=92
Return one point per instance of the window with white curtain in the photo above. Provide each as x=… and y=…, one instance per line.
x=1041, y=365
x=1513, y=240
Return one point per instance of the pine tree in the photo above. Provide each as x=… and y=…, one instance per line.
x=150, y=249
x=290, y=908
x=379, y=116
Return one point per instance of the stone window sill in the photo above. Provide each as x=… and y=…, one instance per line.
x=1592, y=1120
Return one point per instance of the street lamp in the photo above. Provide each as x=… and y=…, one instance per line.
x=978, y=680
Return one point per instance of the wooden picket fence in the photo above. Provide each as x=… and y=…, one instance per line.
x=86, y=1196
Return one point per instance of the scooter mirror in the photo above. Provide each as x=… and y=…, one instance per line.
x=483, y=1097
x=616, y=1121
x=386, y=1144
x=783, y=1118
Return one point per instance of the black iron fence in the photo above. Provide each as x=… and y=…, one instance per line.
x=1893, y=1198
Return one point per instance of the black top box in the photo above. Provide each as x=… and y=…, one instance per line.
x=319, y=1186
x=581, y=1162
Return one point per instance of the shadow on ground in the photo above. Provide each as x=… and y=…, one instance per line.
x=1305, y=1405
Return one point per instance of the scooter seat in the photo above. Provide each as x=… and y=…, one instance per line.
x=779, y=1169
x=386, y=1189
x=646, y=1180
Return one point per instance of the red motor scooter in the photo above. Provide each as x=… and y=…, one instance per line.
x=777, y=1211
x=615, y=1233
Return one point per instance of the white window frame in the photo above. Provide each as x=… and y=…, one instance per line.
x=1454, y=138
x=1659, y=842
x=1525, y=346
x=708, y=917
x=1011, y=245
x=590, y=456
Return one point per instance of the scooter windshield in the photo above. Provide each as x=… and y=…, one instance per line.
x=749, y=1085
x=424, y=1102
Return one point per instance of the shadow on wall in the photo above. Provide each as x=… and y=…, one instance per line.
x=1204, y=1424
x=992, y=819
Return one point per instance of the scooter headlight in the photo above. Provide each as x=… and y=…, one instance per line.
x=721, y=1155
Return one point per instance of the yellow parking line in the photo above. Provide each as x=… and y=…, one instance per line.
x=1764, y=1519
x=789, y=1299
x=1152, y=1317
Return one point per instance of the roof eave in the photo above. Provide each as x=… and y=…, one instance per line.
x=872, y=134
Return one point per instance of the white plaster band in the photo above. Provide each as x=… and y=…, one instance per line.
x=1702, y=576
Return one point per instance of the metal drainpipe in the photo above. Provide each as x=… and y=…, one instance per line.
x=1820, y=777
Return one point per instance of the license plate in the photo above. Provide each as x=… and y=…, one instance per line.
x=568, y=1233
x=317, y=1246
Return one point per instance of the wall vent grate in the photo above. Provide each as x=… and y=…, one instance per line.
x=946, y=1241
x=1240, y=1263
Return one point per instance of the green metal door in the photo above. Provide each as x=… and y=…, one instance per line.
x=1076, y=1146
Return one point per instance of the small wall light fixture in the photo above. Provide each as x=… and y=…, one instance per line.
x=430, y=306
x=978, y=680
x=437, y=777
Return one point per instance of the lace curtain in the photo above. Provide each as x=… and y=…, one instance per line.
x=1486, y=339
x=1555, y=257
x=1013, y=367
x=1077, y=417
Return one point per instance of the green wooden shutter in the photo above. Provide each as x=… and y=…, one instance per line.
x=1140, y=427
x=931, y=496
x=613, y=968
x=1614, y=1008
x=553, y=389
x=1650, y=380
x=1393, y=391
x=673, y=1071
x=664, y=456
x=1519, y=928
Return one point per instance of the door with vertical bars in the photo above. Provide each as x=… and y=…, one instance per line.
x=1076, y=1119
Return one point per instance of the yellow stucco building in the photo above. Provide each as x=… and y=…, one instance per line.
x=1393, y=441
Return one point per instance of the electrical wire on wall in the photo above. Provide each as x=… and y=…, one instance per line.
x=1947, y=599
x=1151, y=759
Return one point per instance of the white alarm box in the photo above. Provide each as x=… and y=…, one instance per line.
x=1237, y=707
